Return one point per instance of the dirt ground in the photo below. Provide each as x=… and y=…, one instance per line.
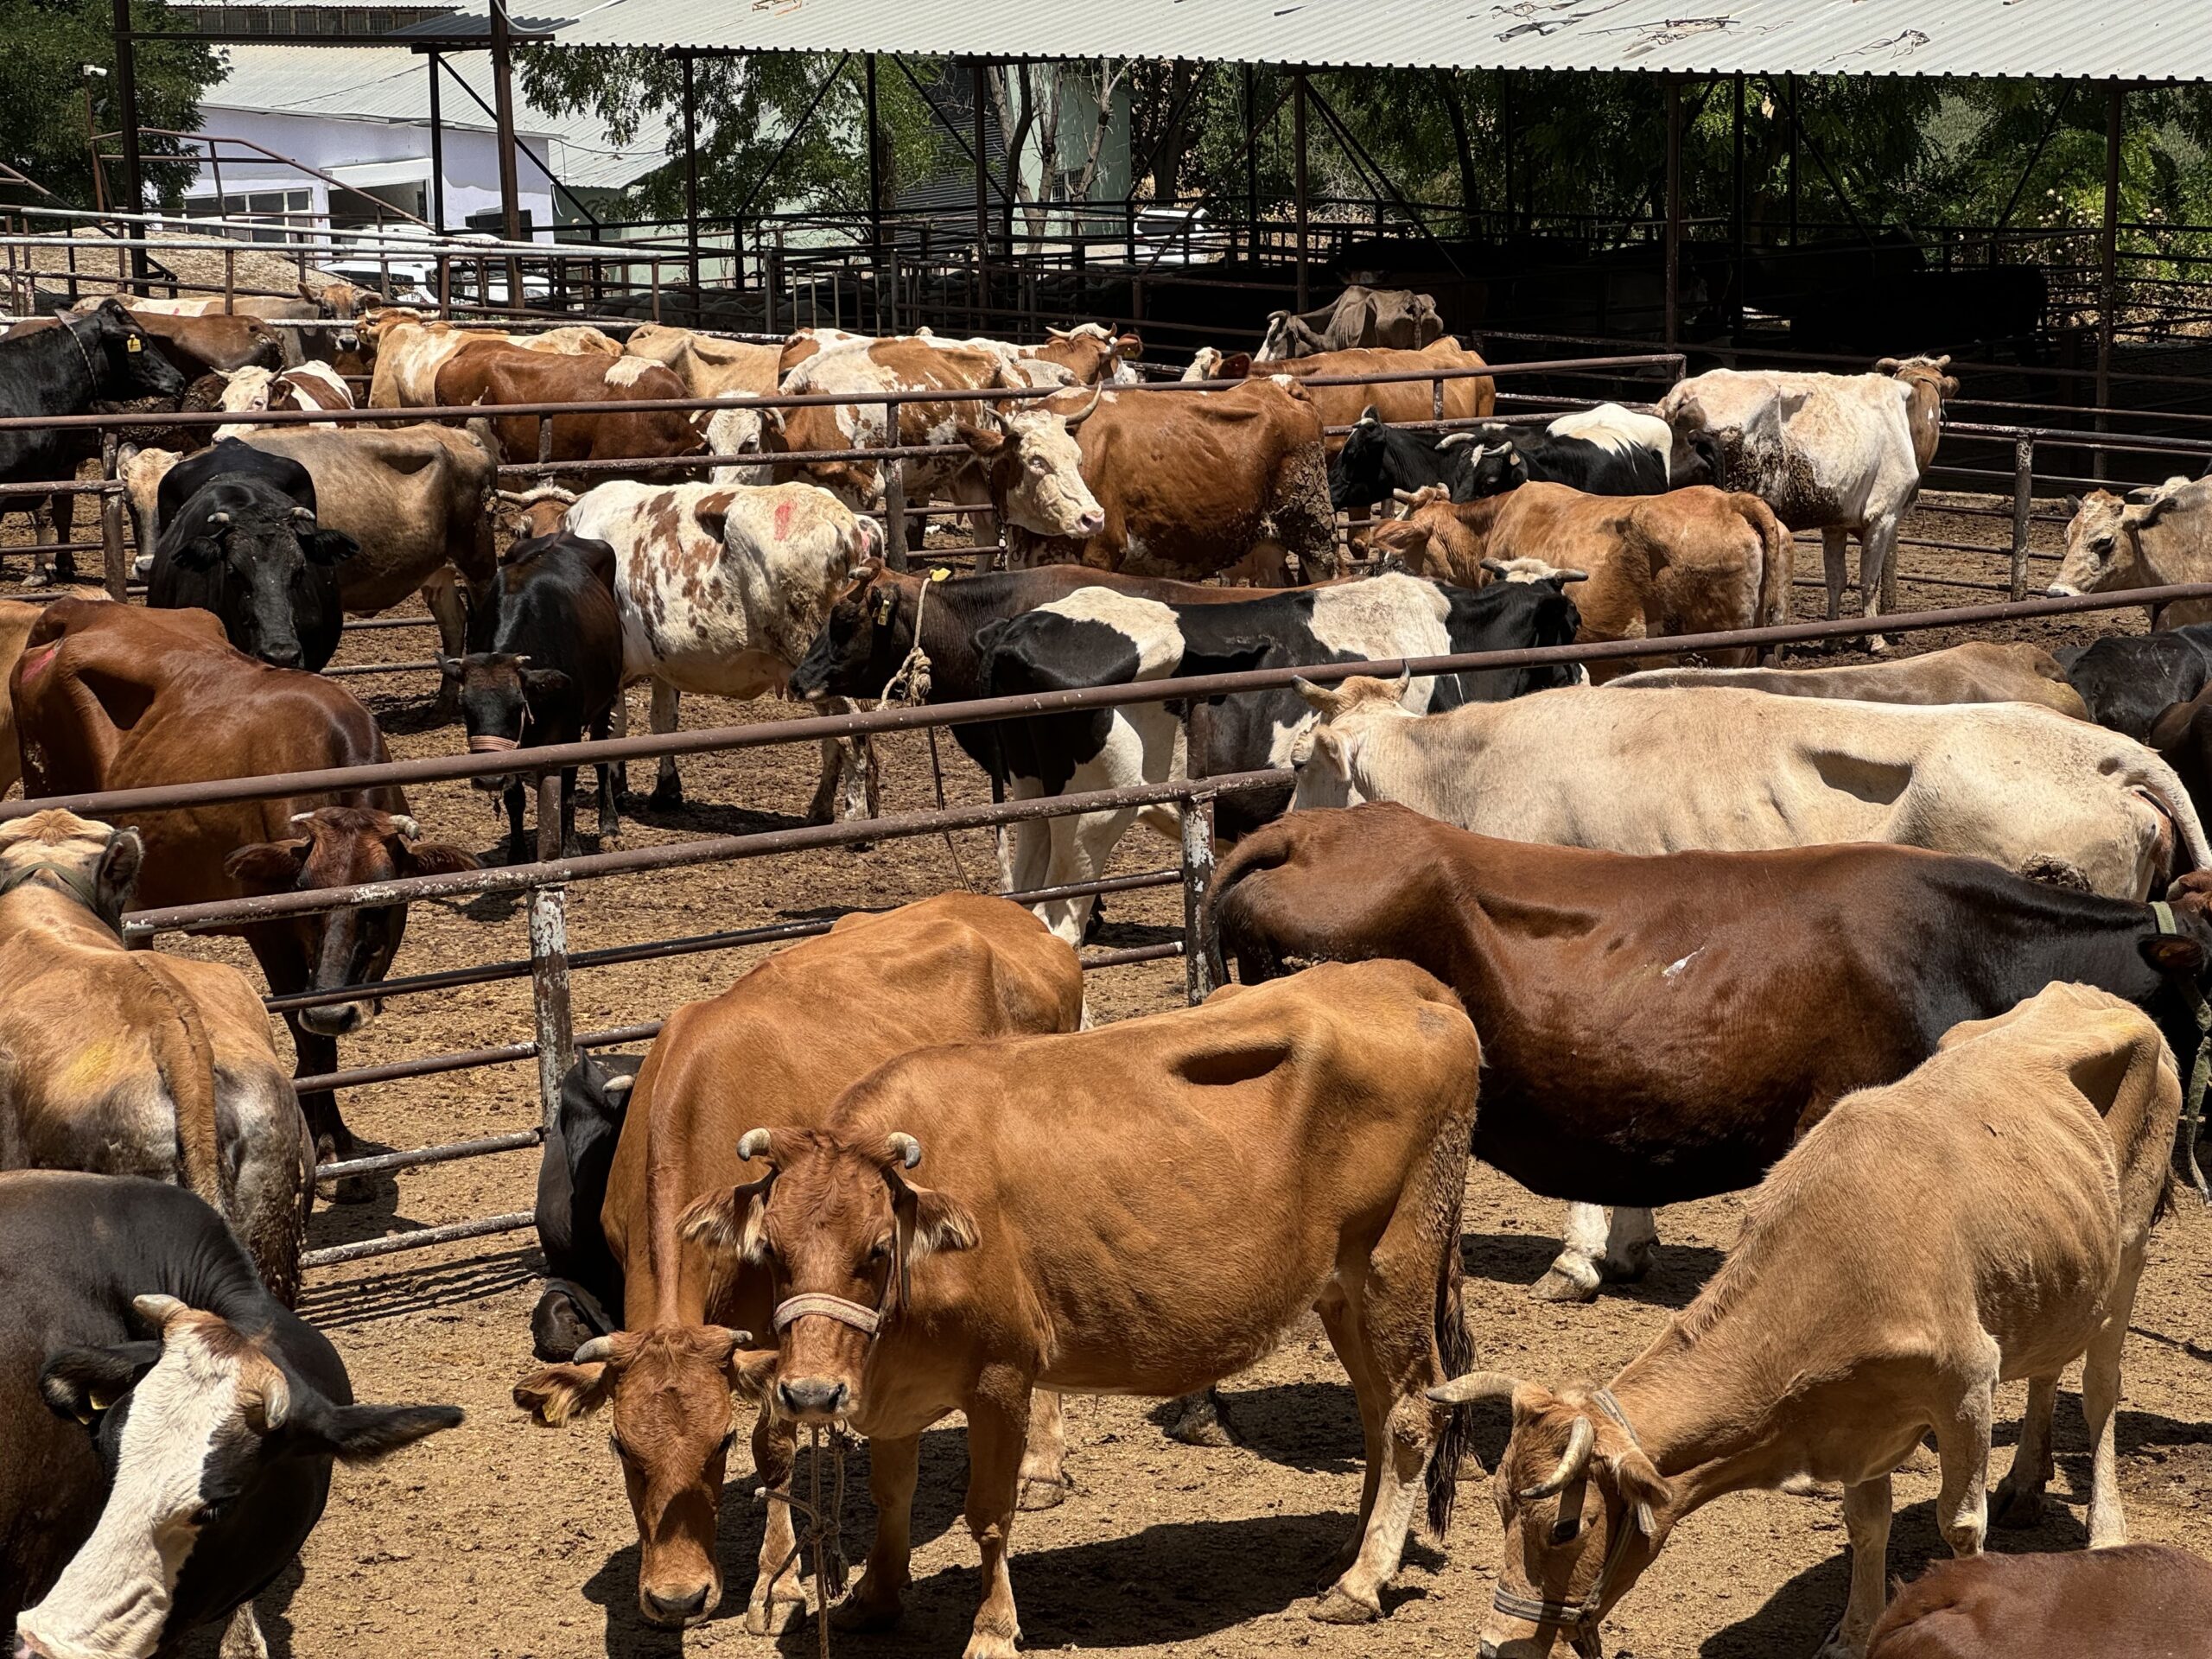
x=505, y=1540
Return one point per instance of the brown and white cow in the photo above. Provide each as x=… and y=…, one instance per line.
x=495, y=372
x=162, y=1066
x=409, y=352
x=2159, y=536
x=1981, y=670
x=1982, y=1220
x=709, y=364
x=310, y=385
x=1393, y=319
x=1298, y=1145
x=953, y=969
x=1468, y=397
x=1693, y=561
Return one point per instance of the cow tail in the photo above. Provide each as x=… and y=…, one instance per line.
x=1457, y=1352
x=1777, y=566
x=2159, y=781
x=186, y=1059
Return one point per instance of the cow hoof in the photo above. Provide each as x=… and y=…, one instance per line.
x=1839, y=1646
x=38, y=579
x=665, y=797
x=990, y=1645
x=346, y=1189
x=860, y=1617
x=1557, y=1286
x=772, y=1619
x=1340, y=1606
x=1470, y=1468
x=2017, y=1508
x=1803, y=1485
x=1040, y=1494
x=1199, y=1420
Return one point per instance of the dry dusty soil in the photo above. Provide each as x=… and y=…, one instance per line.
x=503, y=1540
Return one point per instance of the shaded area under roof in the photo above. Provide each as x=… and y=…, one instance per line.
x=2146, y=39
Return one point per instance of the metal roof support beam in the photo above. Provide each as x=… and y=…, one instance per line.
x=2050, y=131
x=503, y=95
x=791, y=138
x=1798, y=129
x=691, y=177
x=1736, y=208
x=1674, y=238
x=1360, y=158
x=1251, y=161
x=522, y=150
x=2108, y=255
x=980, y=150
x=1168, y=127
x=126, y=109
x=437, y=149
x=1298, y=177
x=942, y=119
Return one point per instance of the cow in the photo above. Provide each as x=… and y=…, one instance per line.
x=1983, y=1219
x=2183, y=737
x=957, y=968
x=2131, y=1601
x=552, y=674
x=2158, y=536
x=2128, y=680
x=804, y=345
x=409, y=352
x=416, y=499
x=113, y=697
x=1376, y=462
x=64, y=369
x=1316, y=1128
x=1982, y=671
x=1843, y=454
x=1501, y=458
x=1393, y=319
x=168, y=1425
x=494, y=373
x=309, y=385
x=1646, y=1040
x=193, y=345
x=709, y=364
x=163, y=1067
x=1692, y=560
x=720, y=588
x=17, y=619
x=582, y=1280
x=239, y=538
x=1182, y=485
x=1469, y=396
x=1100, y=635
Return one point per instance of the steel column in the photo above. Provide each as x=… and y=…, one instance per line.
x=1736, y=211
x=503, y=116
x=126, y=109
x=549, y=995
x=2023, y=483
x=691, y=175
x=2109, y=259
x=437, y=149
x=1298, y=138
x=980, y=94
x=115, y=569
x=1674, y=237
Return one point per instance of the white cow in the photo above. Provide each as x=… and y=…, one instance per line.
x=721, y=589
x=1722, y=769
x=1841, y=453
x=2159, y=536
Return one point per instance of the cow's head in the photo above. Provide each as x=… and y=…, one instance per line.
x=1326, y=756
x=840, y=1231
x=132, y=362
x=1531, y=570
x=94, y=863
x=1090, y=351
x=2104, y=542
x=1035, y=470
x=501, y=696
x=343, y=847
x=1360, y=474
x=1207, y=364
x=1585, y=1510
x=217, y=1455
x=1490, y=463
x=539, y=510
x=867, y=633
x=258, y=543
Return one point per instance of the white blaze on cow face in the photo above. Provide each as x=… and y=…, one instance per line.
x=1047, y=496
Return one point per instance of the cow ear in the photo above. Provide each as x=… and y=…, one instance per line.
x=1236, y=367
x=268, y=865
x=360, y=1433
x=82, y=1382
x=546, y=682
x=434, y=858
x=118, y=877
x=938, y=1221
x=986, y=445
x=2174, y=955
x=2073, y=505
x=749, y=1370
x=2171, y=726
x=199, y=553
x=328, y=546
x=728, y=1222
x=555, y=1395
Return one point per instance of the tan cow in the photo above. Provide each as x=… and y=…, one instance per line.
x=2160, y=536
x=1469, y=397
x=1694, y=560
x=1982, y=671
x=133, y=1062
x=709, y=364
x=953, y=969
x=1982, y=1220
x=408, y=352
x=1140, y=1209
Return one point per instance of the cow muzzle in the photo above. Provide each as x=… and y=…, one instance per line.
x=2062, y=590
x=810, y=1401
x=337, y=1019
x=674, y=1609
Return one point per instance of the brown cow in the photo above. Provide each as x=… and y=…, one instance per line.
x=2135, y=1601
x=1141, y=1209
x=1982, y=671
x=1982, y=1220
x=1694, y=560
x=408, y=353
x=114, y=696
x=197, y=346
x=1394, y=402
x=493, y=372
x=17, y=619
x=132, y=1062
x=954, y=968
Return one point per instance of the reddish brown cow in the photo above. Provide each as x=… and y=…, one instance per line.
x=114, y=696
x=952, y=969
x=2136, y=1601
x=493, y=372
x=1471, y=397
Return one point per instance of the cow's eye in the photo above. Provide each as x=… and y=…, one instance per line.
x=1565, y=1529
x=879, y=1252
x=206, y=1515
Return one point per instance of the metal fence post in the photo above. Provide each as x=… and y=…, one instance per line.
x=549, y=995
x=2023, y=481
x=895, y=491
x=115, y=569
x=1199, y=974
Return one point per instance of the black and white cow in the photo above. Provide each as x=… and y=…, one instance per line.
x=2129, y=679
x=582, y=1297
x=166, y=1427
x=1098, y=636
x=1607, y=450
x=239, y=538
x=1378, y=460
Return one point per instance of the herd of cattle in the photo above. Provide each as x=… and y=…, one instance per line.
x=1917, y=951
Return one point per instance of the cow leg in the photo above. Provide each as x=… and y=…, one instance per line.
x=2019, y=1495
x=569, y=846
x=1866, y=1519
x=1876, y=545
x=1632, y=1235
x=317, y=1054
x=618, y=725
x=63, y=509
x=1573, y=1276
x=1199, y=1418
x=242, y=1636
x=610, y=813
x=518, y=841
x=1081, y=850
x=668, y=786
x=777, y=1601
x=2100, y=1402
x=1962, y=1456
x=874, y=1603
x=849, y=788
x=998, y=1431
x=1045, y=1480
x=1835, y=553
x=442, y=592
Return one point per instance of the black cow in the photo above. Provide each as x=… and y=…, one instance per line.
x=1104, y=639
x=64, y=370
x=553, y=673
x=2129, y=679
x=239, y=538
x=1377, y=461
x=1501, y=458
x=129, y=1299
x=582, y=1297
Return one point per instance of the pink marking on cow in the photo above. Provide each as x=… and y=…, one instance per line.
x=783, y=520
x=36, y=663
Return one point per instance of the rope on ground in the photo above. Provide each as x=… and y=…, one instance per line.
x=824, y=1534
x=908, y=686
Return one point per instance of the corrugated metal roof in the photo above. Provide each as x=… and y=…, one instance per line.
x=382, y=82
x=2150, y=40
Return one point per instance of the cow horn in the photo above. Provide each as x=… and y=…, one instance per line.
x=905, y=1149
x=1944, y=361
x=157, y=1310
x=1475, y=1385
x=302, y=818
x=406, y=826
x=1405, y=678
x=752, y=1144
x=219, y=517
x=1454, y=440
x=596, y=1351
x=1088, y=409
x=1411, y=498
x=1581, y=1439
x=1571, y=575
x=1886, y=366
x=1496, y=567
x=276, y=1401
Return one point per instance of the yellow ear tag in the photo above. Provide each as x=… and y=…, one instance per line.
x=131, y=342
x=941, y=573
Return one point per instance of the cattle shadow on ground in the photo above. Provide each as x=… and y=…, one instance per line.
x=269, y=1610
x=706, y=817
x=1678, y=1271
x=1313, y=1427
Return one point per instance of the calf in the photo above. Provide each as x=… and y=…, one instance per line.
x=1982, y=671
x=1100, y=635
x=161, y=1066
x=1315, y=1133
x=239, y=538
x=307, y=386
x=2134, y=1601
x=1694, y=1071
x=953, y=969
x=2128, y=680
x=553, y=673
x=168, y=1425
x=2159, y=536
x=1982, y=1220
x=582, y=1280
